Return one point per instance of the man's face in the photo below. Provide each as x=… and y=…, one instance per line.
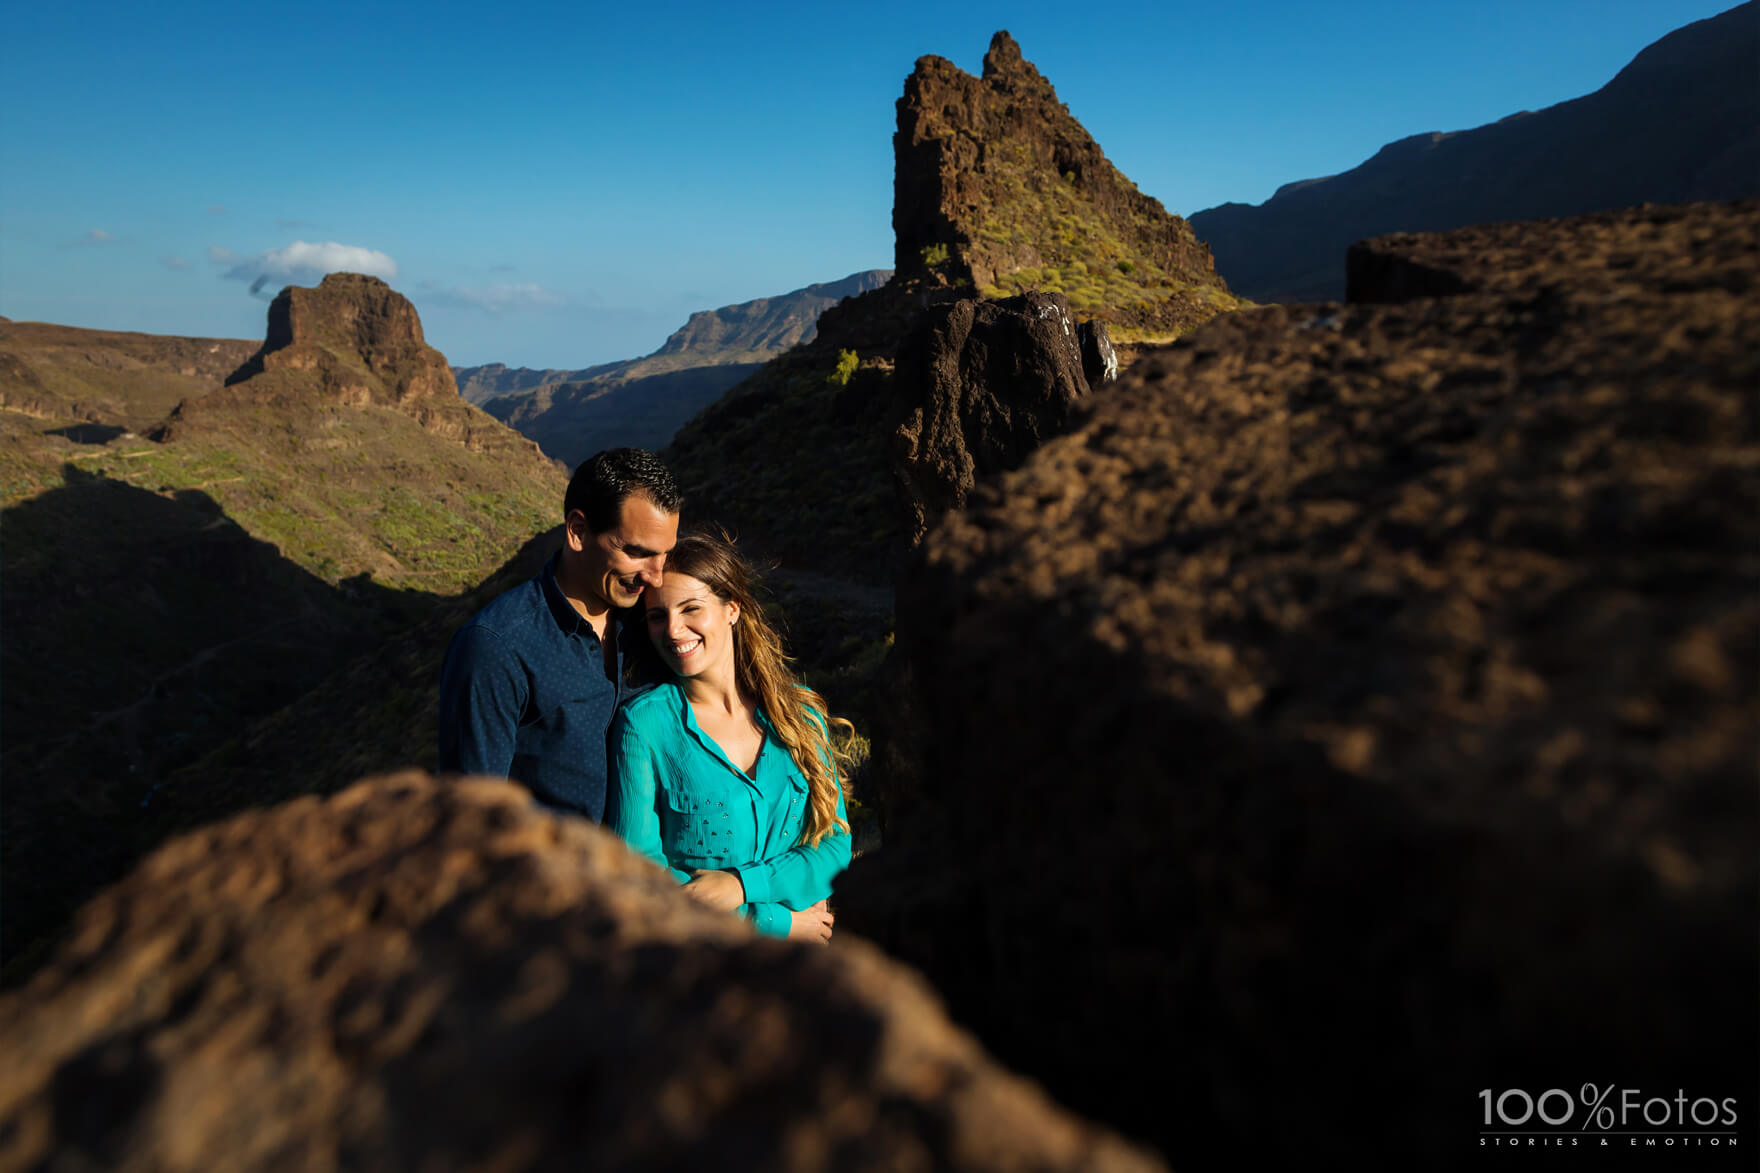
x=630, y=555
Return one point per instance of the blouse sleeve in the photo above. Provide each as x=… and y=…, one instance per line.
x=801, y=876
x=632, y=798
x=770, y=919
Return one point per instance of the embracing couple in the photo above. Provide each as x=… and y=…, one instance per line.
x=636, y=682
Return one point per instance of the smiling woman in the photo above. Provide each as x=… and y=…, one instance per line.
x=727, y=774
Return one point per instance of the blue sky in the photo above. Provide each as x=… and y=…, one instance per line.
x=557, y=185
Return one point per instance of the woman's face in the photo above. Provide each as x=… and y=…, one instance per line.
x=691, y=628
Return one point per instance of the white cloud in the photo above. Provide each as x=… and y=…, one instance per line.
x=494, y=299
x=302, y=262
x=96, y=238
x=176, y=263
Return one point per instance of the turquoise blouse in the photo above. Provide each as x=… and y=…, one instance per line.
x=677, y=799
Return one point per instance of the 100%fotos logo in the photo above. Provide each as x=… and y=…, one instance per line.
x=1515, y=1107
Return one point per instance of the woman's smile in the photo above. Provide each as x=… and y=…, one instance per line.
x=690, y=626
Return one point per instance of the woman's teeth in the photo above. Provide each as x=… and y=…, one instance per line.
x=682, y=650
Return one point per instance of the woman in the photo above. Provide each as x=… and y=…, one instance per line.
x=726, y=774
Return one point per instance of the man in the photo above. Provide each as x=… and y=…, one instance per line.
x=531, y=683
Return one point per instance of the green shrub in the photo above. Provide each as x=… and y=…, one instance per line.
x=934, y=254
x=846, y=367
x=1126, y=268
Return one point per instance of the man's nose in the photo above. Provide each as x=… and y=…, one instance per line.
x=655, y=572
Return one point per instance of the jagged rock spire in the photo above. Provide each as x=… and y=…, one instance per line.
x=999, y=189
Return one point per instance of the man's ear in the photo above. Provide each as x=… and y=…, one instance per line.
x=575, y=531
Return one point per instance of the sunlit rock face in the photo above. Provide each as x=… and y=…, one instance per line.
x=1358, y=709
x=998, y=187
x=431, y=975
x=350, y=342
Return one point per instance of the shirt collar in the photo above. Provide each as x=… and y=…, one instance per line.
x=710, y=745
x=561, y=609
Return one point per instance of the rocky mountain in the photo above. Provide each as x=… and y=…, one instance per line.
x=996, y=188
x=1358, y=706
x=163, y=586
x=1680, y=123
x=480, y=384
x=999, y=188
x=107, y=382
x=760, y=329
x=351, y=342
x=642, y=402
x=571, y=421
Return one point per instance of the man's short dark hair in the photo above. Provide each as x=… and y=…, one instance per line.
x=606, y=479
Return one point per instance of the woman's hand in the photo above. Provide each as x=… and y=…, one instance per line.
x=720, y=890
x=812, y=924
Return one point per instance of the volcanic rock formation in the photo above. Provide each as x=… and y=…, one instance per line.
x=1358, y=708
x=424, y=976
x=353, y=342
x=998, y=187
x=998, y=190
x=1680, y=123
x=350, y=322
x=982, y=383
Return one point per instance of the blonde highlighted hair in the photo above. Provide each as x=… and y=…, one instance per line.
x=797, y=714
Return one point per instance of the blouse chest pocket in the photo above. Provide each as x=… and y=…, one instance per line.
x=794, y=812
x=698, y=827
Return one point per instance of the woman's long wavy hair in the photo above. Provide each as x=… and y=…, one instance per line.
x=796, y=713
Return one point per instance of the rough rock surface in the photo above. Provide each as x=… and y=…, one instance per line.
x=415, y=975
x=995, y=180
x=1359, y=710
x=352, y=341
x=983, y=383
x=1668, y=249
x=1099, y=356
x=350, y=321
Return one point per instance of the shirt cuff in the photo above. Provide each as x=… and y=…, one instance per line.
x=756, y=880
x=772, y=920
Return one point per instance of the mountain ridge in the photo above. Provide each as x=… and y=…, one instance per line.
x=1679, y=123
x=747, y=331
x=643, y=402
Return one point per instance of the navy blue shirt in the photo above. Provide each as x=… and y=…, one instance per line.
x=525, y=694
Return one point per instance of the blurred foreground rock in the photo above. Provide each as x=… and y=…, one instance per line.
x=1359, y=709
x=422, y=975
